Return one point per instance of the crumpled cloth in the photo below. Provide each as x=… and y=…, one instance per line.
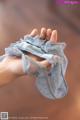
x=50, y=82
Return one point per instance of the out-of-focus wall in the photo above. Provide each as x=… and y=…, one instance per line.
x=21, y=98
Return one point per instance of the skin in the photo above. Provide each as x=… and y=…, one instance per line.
x=11, y=67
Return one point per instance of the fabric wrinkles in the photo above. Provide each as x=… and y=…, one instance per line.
x=51, y=83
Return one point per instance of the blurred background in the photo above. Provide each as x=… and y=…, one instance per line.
x=21, y=98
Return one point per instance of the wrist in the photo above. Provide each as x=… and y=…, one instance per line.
x=11, y=65
x=15, y=66
x=6, y=76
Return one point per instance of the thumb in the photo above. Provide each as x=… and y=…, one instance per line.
x=46, y=64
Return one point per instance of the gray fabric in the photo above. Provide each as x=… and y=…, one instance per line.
x=50, y=83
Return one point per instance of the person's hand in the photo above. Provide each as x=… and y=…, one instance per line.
x=14, y=64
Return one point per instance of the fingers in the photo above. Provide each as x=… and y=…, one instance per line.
x=34, y=32
x=54, y=36
x=49, y=32
x=45, y=63
x=43, y=33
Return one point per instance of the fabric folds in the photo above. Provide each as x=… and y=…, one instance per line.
x=50, y=82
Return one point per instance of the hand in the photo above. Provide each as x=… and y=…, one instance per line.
x=14, y=64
